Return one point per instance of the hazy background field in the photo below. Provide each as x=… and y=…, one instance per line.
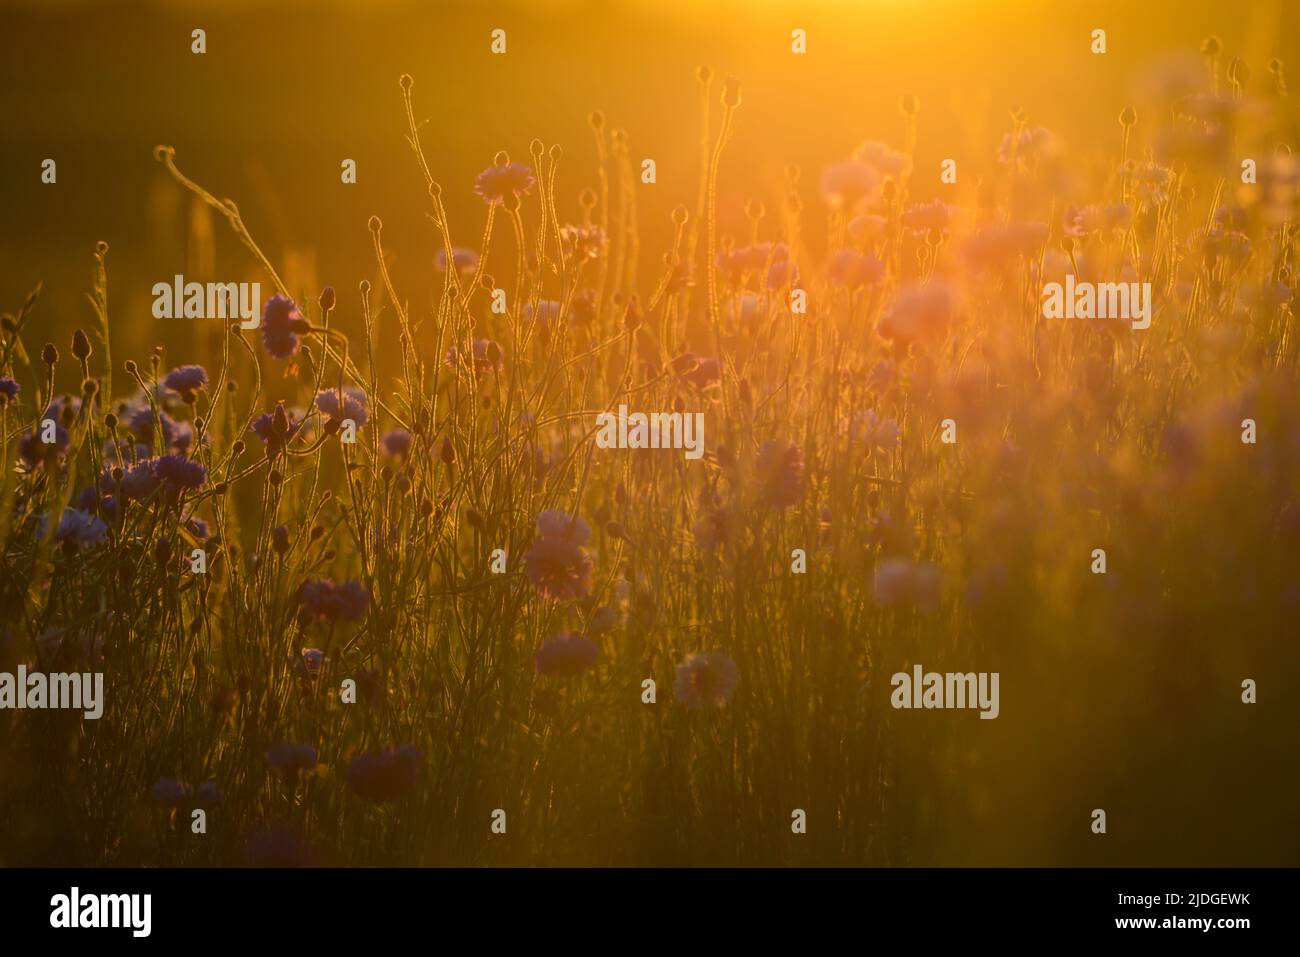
x=286, y=91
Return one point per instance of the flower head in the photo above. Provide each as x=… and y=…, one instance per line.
x=706, y=680
x=846, y=184
x=291, y=758
x=281, y=324
x=566, y=654
x=583, y=242
x=169, y=792
x=353, y=406
x=556, y=563
x=140, y=480
x=35, y=452
x=187, y=381
x=918, y=313
x=140, y=422
x=465, y=260
x=397, y=443
x=178, y=472
x=325, y=600
x=900, y=581
x=853, y=269
x=922, y=217
x=487, y=356
x=77, y=528
x=309, y=663
x=275, y=434
x=495, y=182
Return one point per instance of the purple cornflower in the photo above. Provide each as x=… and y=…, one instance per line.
x=180, y=473
x=465, y=260
x=35, y=453
x=397, y=443
x=9, y=389
x=208, y=795
x=487, y=353
x=750, y=259
x=309, y=663
x=274, y=434
x=187, y=381
x=384, y=775
x=94, y=500
x=853, y=269
x=169, y=792
x=77, y=528
x=556, y=562
x=922, y=217
x=177, y=436
x=845, y=184
x=140, y=480
x=496, y=181
x=566, y=655
x=354, y=404
x=706, y=373
x=324, y=600
x=291, y=758
x=281, y=324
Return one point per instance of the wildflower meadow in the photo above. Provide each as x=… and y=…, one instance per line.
x=931, y=498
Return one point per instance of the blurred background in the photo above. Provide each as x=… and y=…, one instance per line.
x=288, y=90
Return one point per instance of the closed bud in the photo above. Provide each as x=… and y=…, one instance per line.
x=731, y=93
x=80, y=345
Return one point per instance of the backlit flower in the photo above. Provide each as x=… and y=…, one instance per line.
x=353, y=406
x=186, y=381
x=706, y=680
x=495, y=182
x=282, y=322
x=566, y=655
